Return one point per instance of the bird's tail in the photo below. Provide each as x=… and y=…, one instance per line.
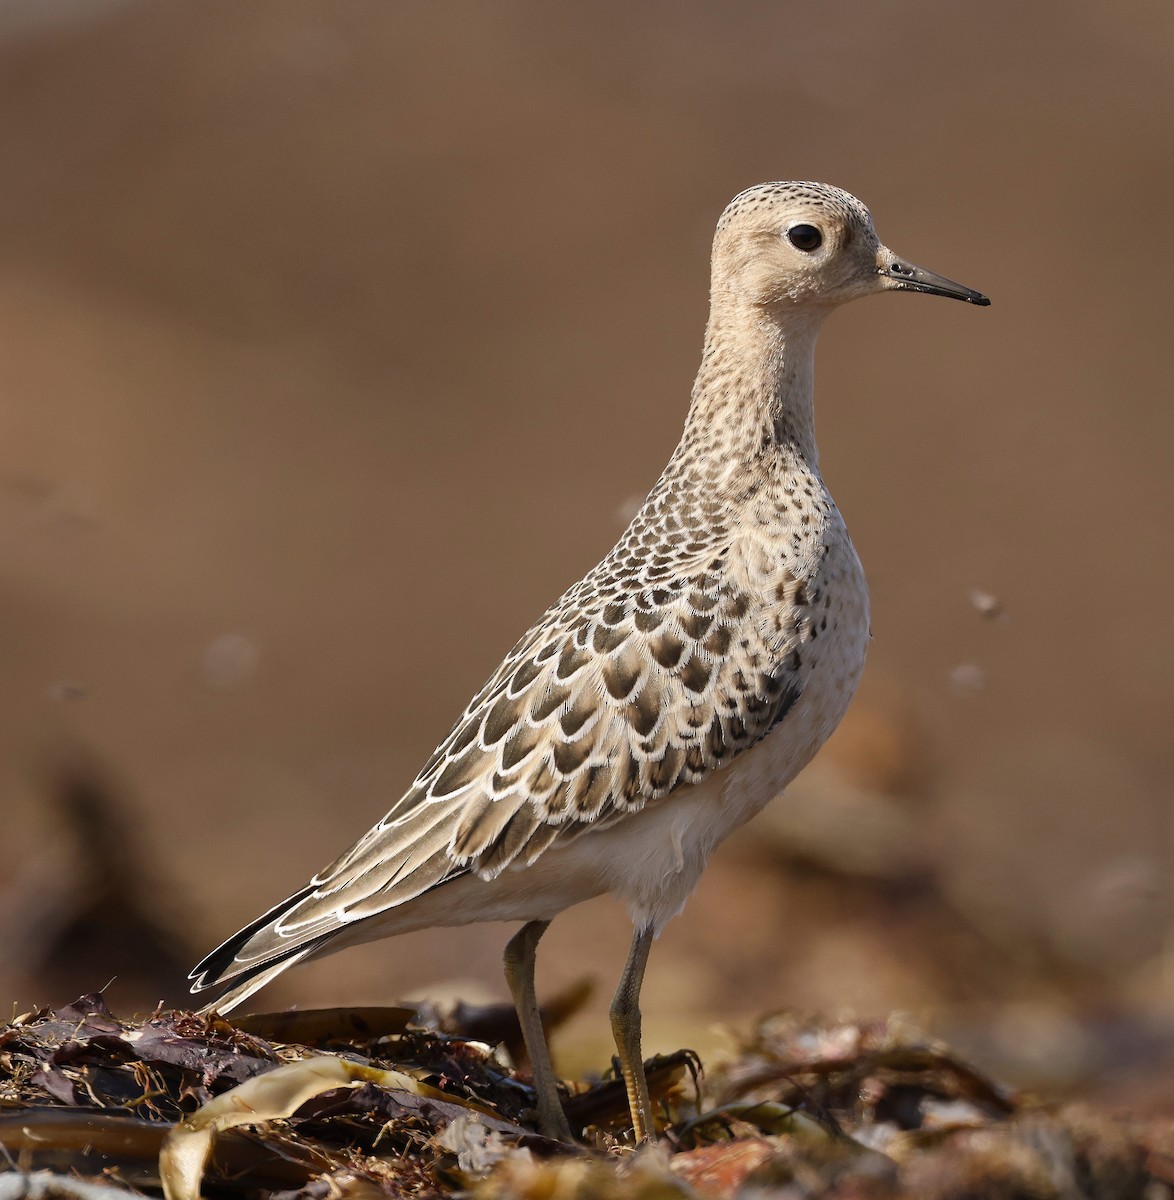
x=252, y=957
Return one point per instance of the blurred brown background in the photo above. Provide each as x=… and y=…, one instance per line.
x=336, y=339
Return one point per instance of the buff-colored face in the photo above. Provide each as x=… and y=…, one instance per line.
x=780, y=244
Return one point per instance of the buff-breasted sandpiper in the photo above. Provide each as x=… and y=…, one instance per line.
x=671, y=692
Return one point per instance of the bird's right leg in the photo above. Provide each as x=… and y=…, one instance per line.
x=625, y=1024
x=520, y=954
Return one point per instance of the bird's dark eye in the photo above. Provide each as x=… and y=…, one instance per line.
x=805, y=237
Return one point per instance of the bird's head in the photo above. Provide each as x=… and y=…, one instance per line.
x=783, y=244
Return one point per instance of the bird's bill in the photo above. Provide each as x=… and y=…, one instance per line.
x=903, y=276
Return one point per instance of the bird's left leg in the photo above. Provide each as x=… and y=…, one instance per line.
x=520, y=954
x=625, y=1027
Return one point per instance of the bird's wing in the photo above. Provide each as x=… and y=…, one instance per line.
x=603, y=707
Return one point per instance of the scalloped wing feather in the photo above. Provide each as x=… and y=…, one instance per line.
x=655, y=670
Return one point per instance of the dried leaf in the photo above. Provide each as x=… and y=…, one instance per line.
x=269, y=1097
x=73, y=1139
x=314, y=1026
x=607, y=1103
x=718, y=1171
x=44, y=1185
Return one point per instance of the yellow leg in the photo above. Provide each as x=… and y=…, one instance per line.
x=625, y=1027
x=519, y=973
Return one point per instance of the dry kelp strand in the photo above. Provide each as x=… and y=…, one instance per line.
x=364, y=1104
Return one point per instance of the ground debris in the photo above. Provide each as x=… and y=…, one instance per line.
x=363, y=1104
x=858, y=1077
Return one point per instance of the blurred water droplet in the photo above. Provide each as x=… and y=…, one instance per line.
x=65, y=690
x=30, y=17
x=989, y=606
x=229, y=662
x=626, y=510
x=967, y=679
x=1126, y=882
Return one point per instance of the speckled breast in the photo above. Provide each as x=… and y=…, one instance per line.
x=812, y=617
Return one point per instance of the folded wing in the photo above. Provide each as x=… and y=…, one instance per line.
x=601, y=709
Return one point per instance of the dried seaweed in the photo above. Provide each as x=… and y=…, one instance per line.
x=364, y=1104
x=851, y=1076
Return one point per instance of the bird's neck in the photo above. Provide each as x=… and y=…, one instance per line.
x=753, y=393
